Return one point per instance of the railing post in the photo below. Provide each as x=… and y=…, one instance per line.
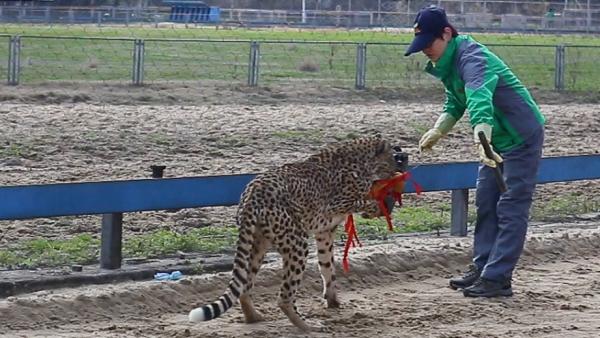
x=138, y=62
x=253, y=64
x=111, y=241
x=460, y=208
x=559, y=69
x=14, y=60
x=361, y=66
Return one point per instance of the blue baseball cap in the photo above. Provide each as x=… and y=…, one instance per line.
x=429, y=24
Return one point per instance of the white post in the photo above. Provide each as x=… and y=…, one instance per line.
x=303, y=11
x=589, y=16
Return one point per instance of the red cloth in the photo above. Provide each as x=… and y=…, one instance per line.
x=380, y=190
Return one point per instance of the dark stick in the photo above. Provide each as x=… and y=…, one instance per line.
x=488, y=153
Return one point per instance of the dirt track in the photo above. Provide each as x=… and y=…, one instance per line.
x=397, y=289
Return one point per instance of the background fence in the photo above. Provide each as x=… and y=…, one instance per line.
x=35, y=59
x=567, y=16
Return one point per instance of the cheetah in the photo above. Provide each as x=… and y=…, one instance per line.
x=282, y=207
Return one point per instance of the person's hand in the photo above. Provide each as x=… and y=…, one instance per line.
x=487, y=131
x=490, y=162
x=442, y=126
x=429, y=139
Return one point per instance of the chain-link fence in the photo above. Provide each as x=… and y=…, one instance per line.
x=36, y=59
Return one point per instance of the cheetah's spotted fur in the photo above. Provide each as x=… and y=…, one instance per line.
x=282, y=207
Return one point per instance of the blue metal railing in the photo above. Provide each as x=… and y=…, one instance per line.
x=112, y=198
x=64, y=199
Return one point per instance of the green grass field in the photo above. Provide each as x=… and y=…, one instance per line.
x=66, y=53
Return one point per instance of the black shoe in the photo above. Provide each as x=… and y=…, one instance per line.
x=467, y=279
x=488, y=288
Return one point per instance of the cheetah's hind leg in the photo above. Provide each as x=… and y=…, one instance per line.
x=294, y=251
x=259, y=248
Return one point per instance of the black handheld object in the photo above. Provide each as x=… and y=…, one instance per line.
x=488, y=153
x=401, y=159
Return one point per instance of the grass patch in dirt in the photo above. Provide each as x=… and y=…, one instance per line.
x=85, y=249
x=165, y=242
x=81, y=249
x=405, y=220
x=565, y=206
x=11, y=149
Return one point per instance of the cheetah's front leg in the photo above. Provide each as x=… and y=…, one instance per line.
x=325, y=256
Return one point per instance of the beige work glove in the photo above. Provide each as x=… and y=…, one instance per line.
x=487, y=130
x=442, y=126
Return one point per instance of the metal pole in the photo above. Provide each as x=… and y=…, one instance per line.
x=134, y=76
x=14, y=60
x=361, y=66
x=111, y=241
x=253, y=64
x=589, y=16
x=460, y=210
x=303, y=11
x=559, y=68
x=138, y=62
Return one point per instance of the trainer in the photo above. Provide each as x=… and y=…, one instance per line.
x=499, y=105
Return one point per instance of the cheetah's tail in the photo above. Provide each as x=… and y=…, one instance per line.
x=237, y=284
x=213, y=310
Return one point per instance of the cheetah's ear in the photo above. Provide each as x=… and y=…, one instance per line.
x=383, y=147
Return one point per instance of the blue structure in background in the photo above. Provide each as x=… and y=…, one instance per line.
x=192, y=11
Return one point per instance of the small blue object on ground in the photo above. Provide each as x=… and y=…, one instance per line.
x=175, y=275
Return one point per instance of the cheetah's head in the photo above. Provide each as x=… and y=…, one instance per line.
x=388, y=160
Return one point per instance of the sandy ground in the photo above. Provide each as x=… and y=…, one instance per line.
x=395, y=289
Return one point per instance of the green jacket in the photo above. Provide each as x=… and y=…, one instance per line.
x=479, y=81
